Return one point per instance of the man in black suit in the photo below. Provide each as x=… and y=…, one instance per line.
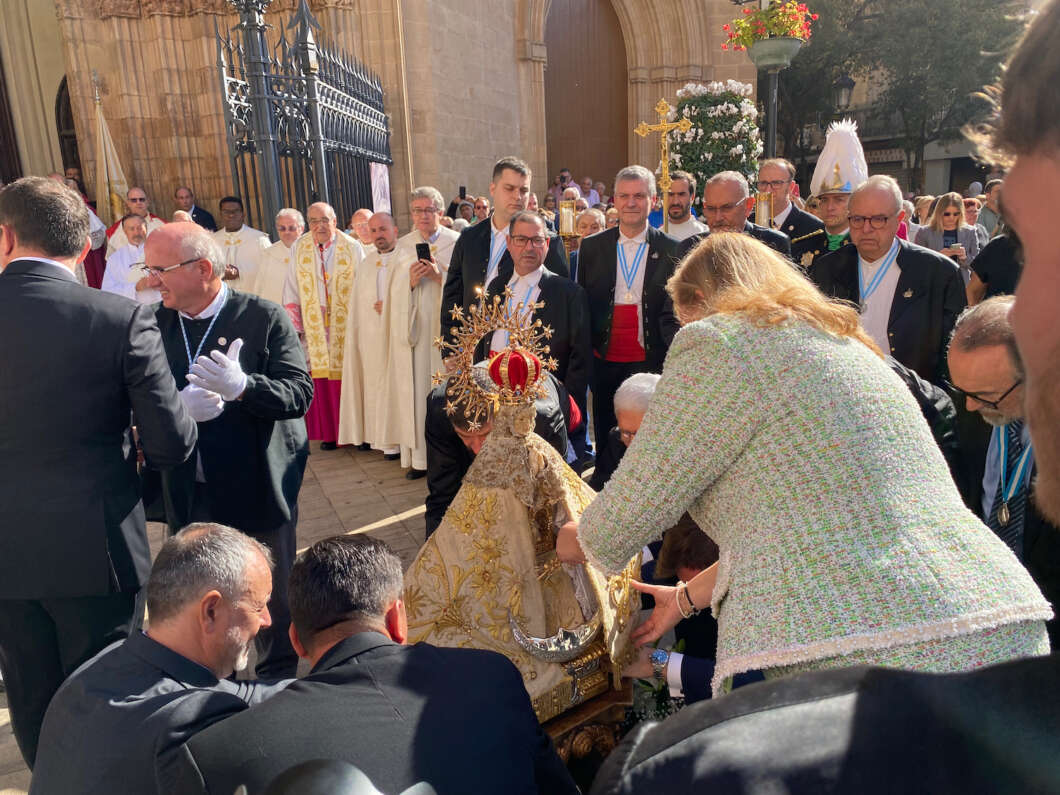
x=251, y=392
x=185, y=200
x=624, y=271
x=727, y=201
x=459, y=719
x=985, y=366
x=805, y=231
x=146, y=695
x=481, y=252
x=76, y=362
x=452, y=445
x=909, y=296
x=565, y=309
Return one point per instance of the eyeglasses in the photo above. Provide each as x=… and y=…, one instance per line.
x=137, y=201
x=875, y=221
x=324, y=222
x=519, y=241
x=425, y=211
x=764, y=184
x=159, y=271
x=994, y=404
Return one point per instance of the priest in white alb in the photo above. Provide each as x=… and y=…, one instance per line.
x=317, y=296
x=414, y=321
x=136, y=203
x=124, y=273
x=276, y=259
x=364, y=365
x=242, y=245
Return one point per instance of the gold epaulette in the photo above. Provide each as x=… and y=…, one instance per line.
x=805, y=237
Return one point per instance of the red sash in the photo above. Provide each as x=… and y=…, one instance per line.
x=624, y=345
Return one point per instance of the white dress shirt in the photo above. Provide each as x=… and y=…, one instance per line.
x=122, y=273
x=686, y=229
x=782, y=216
x=525, y=291
x=876, y=312
x=498, y=245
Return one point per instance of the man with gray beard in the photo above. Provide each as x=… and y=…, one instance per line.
x=207, y=597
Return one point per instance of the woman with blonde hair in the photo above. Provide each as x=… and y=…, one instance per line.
x=947, y=233
x=780, y=428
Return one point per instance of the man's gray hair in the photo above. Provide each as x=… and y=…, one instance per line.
x=729, y=176
x=291, y=212
x=527, y=216
x=881, y=182
x=636, y=172
x=636, y=392
x=597, y=214
x=344, y=578
x=427, y=192
x=986, y=325
x=202, y=557
x=199, y=244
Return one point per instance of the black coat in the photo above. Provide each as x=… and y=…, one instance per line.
x=777, y=241
x=203, y=218
x=254, y=454
x=597, y=272
x=863, y=730
x=807, y=235
x=566, y=311
x=927, y=299
x=467, y=268
x=448, y=458
x=134, y=701
x=459, y=719
x=76, y=362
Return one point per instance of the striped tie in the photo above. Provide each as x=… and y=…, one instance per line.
x=1012, y=532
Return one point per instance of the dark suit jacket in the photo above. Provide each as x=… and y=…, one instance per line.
x=459, y=719
x=928, y=298
x=448, y=458
x=566, y=311
x=806, y=233
x=76, y=362
x=597, y=270
x=777, y=241
x=203, y=218
x=254, y=454
x=131, y=703
x=863, y=730
x=467, y=268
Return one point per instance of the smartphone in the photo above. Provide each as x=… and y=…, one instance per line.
x=423, y=251
x=463, y=191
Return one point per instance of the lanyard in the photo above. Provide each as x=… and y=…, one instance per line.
x=1008, y=488
x=324, y=278
x=892, y=255
x=209, y=328
x=496, y=252
x=629, y=272
x=526, y=309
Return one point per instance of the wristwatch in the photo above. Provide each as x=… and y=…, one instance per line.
x=658, y=659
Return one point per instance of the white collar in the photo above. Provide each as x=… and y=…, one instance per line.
x=637, y=238
x=238, y=231
x=212, y=308
x=531, y=279
x=870, y=264
x=495, y=231
x=780, y=217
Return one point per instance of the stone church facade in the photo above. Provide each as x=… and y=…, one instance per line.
x=464, y=81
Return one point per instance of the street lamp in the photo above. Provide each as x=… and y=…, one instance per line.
x=842, y=88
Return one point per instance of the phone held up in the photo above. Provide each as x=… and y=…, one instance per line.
x=423, y=251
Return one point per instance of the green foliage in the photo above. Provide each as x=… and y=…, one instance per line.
x=724, y=135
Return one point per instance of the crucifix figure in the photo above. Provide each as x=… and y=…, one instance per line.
x=662, y=107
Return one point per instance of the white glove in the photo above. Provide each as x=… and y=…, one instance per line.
x=220, y=372
x=203, y=406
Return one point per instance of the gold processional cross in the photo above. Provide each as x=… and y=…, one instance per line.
x=664, y=127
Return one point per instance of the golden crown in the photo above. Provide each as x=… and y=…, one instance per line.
x=483, y=318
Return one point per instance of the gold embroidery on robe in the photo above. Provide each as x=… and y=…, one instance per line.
x=325, y=355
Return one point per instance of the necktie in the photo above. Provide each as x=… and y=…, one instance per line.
x=835, y=241
x=1011, y=532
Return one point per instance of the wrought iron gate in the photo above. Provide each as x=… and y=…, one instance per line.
x=303, y=119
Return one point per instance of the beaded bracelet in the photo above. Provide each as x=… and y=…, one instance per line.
x=682, y=587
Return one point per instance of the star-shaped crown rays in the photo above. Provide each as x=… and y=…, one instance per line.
x=481, y=319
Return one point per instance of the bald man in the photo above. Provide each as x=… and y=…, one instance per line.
x=317, y=297
x=359, y=227
x=361, y=416
x=136, y=203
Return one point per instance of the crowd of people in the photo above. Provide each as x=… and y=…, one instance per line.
x=827, y=442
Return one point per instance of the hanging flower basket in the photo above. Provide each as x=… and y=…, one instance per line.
x=783, y=19
x=774, y=53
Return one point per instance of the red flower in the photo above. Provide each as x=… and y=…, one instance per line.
x=724, y=27
x=725, y=46
x=813, y=17
x=747, y=11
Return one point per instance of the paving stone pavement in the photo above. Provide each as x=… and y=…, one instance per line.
x=344, y=491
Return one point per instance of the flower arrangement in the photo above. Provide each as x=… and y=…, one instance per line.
x=724, y=134
x=782, y=19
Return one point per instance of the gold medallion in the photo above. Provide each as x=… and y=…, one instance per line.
x=1003, y=514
